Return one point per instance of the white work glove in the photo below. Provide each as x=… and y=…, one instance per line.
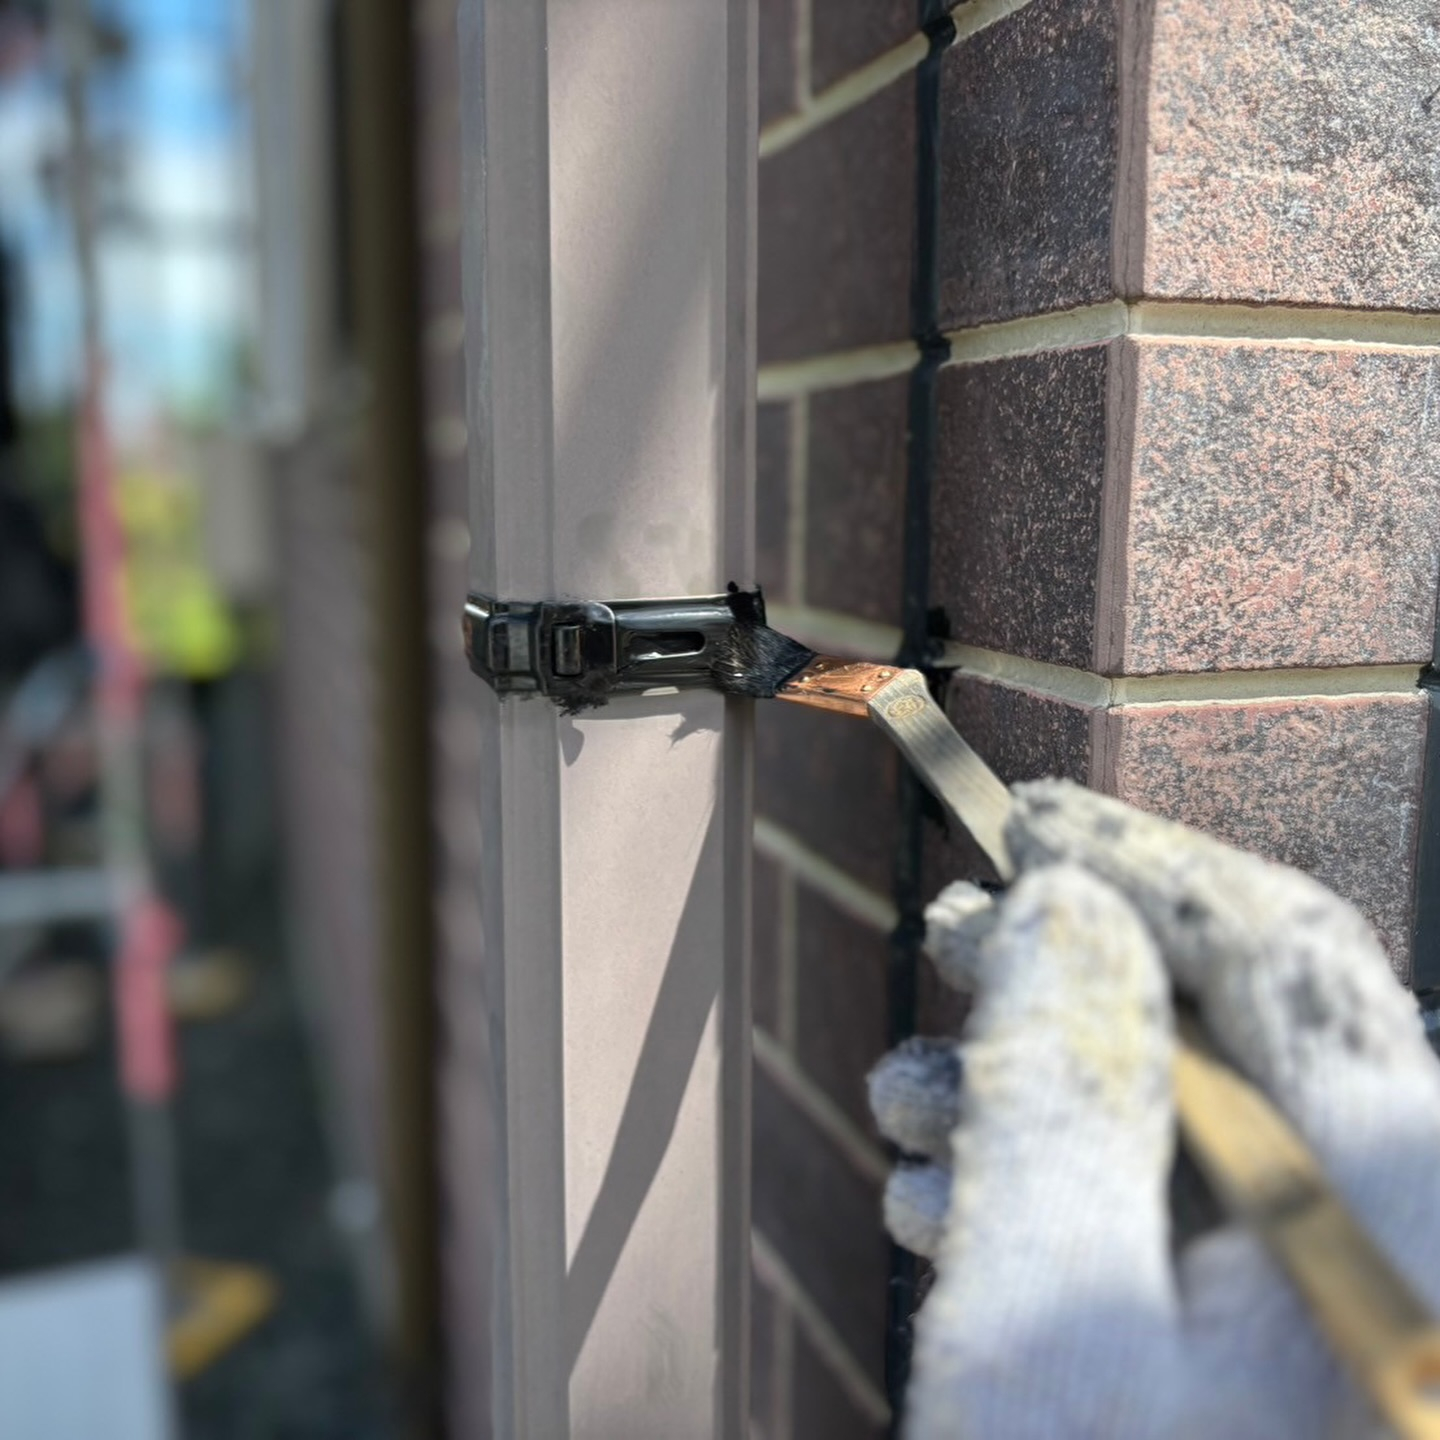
x=1059, y=1308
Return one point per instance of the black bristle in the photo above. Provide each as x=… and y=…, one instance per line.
x=755, y=660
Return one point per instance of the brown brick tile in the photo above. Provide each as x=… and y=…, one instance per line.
x=1291, y=153
x=830, y=780
x=777, y=59
x=1022, y=736
x=1283, y=509
x=840, y=1001
x=939, y=1010
x=1016, y=508
x=823, y=1409
x=823, y=1219
x=855, y=512
x=1330, y=785
x=846, y=34
x=762, y=1356
x=765, y=948
x=772, y=499
x=836, y=228
x=1028, y=129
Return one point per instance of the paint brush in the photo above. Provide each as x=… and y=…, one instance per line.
x=1259, y=1168
x=752, y=659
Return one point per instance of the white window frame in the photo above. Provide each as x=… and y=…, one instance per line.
x=609, y=300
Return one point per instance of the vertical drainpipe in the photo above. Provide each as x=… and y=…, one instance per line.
x=610, y=164
x=380, y=145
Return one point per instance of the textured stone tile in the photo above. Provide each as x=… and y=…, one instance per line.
x=772, y=499
x=841, y=1001
x=836, y=229
x=1283, y=509
x=1028, y=127
x=777, y=59
x=1331, y=786
x=939, y=1010
x=1291, y=153
x=766, y=942
x=823, y=1219
x=829, y=780
x=846, y=34
x=1021, y=736
x=855, y=510
x=823, y=1408
x=1016, y=505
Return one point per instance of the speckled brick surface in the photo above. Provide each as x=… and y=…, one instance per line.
x=830, y=781
x=1329, y=785
x=1022, y=736
x=1283, y=508
x=821, y=1408
x=855, y=502
x=841, y=1021
x=823, y=1216
x=766, y=941
x=1291, y=152
x=762, y=1356
x=846, y=34
x=939, y=1010
x=778, y=88
x=836, y=229
x=772, y=499
x=1016, y=505
x=1029, y=117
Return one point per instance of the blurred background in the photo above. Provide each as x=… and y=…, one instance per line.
x=235, y=815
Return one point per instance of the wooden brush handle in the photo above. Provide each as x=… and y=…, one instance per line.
x=1263, y=1174
x=900, y=703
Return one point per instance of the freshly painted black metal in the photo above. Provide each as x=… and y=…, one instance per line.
x=581, y=652
x=1425, y=934
x=935, y=15
x=908, y=937
x=1425, y=965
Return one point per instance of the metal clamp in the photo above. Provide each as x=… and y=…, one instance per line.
x=579, y=653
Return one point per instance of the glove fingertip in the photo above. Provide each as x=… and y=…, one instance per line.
x=956, y=922
x=917, y=1204
x=915, y=1096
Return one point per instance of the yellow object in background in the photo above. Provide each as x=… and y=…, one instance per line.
x=220, y=1304
x=182, y=625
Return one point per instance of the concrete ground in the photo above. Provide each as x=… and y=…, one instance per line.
x=256, y=1187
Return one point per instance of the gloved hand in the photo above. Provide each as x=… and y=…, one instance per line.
x=1059, y=1307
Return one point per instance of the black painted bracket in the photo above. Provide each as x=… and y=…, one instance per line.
x=1425, y=950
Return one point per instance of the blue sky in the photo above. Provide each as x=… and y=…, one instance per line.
x=185, y=53
x=176, y=302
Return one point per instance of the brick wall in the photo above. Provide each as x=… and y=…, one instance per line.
x=326, y=754
x=1158, y=382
